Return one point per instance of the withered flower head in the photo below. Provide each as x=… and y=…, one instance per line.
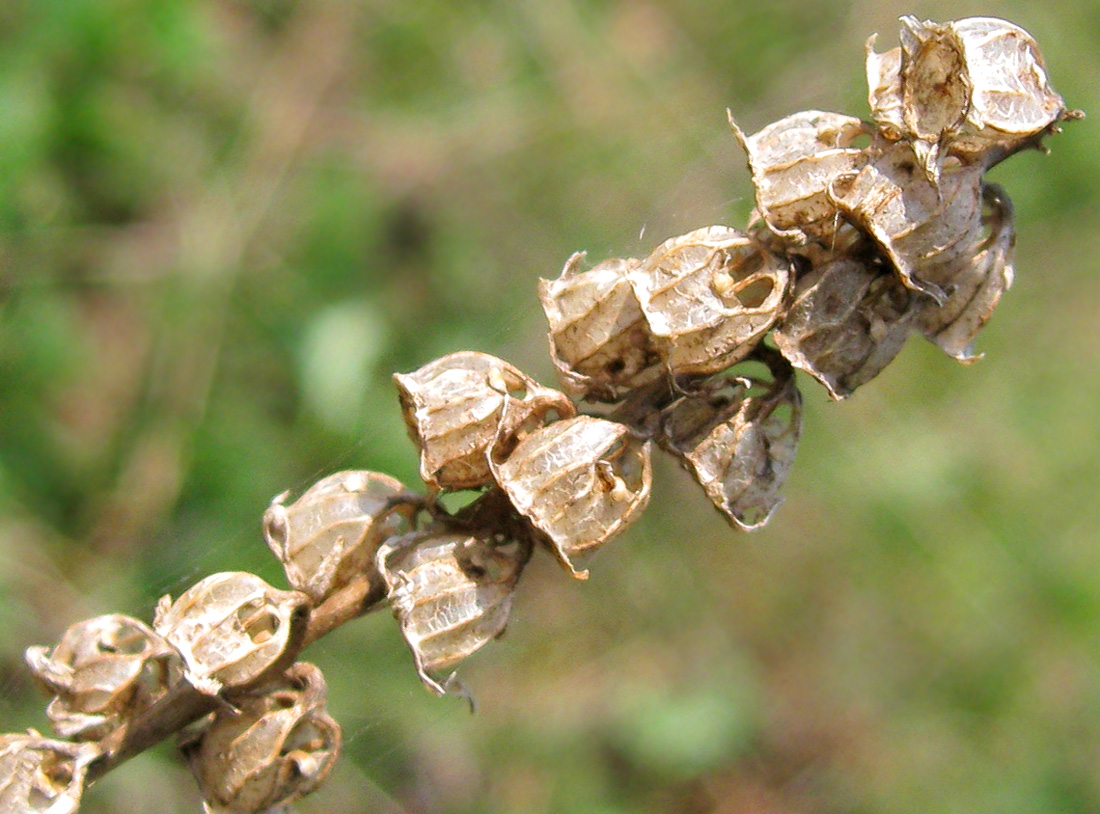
x=42, y=776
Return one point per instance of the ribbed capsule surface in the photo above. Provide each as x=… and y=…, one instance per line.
x=451, y=593
x=274, y=746
x=331, y=533
x=231, y=628
x=972, y=87
x=738, y=437
x=42, y=776
x=103, y=672
x=461, y=404
x=599, y=339
x=580, y=482
x=849, y=318
x=793, y=163
x=709, y=296
x=974, y=282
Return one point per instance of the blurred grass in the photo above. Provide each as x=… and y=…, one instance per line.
x=224, y=224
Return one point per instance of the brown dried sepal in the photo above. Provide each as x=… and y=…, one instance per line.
x=454, y=408
x=232, y=629
x=599, y=339
x=103, y=672
x=738, y=437
x=451, y=593
x=919, y=224
x=579, y=482
x=849, y=318
x=42, y=776
x=794, y=161
x=709, y=296
x=330, y=534
x=975, y=88
x=974, y=283
x=276, y=745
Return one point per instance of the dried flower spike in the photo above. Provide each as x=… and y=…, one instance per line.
x=738, y=436
x=231, y=629
x=709, y=296
x=103, y=672
x=451, y=593
x=42, y=776
x=579, y=482
x=454, y=409
x=599, y=339
x=331, y=533
x=276, y=746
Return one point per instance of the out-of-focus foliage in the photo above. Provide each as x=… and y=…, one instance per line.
x=224, y=224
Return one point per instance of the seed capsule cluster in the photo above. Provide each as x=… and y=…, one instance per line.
x=864, y=232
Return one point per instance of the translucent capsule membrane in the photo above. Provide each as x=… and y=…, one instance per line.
x=451, y=593
x=454, y=408
x=103, y=672
x=738, y=435
x=579, y=482
x=600, y=341
x=231, y=629
x=330, y=534
x=274, y=746
x=42, y=776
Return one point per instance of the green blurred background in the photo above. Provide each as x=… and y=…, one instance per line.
x=224, y=224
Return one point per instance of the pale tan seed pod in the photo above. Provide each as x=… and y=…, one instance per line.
x=454, y=410
x=276, y=745
x=579, y=482
x=975, y=87
x=42, y=776
x=103, y=672
x=599, y=339
x=973, y=283
x=231, y=629
x=331, y=533
x=451, y=593
x=738, y=437
x=918, y=224
x=849, y=318
x=794, y=161
x=709, y=296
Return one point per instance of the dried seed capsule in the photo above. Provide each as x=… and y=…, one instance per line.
x=231, y=629
x=599, y=339
x=454, y=410
x=451, y=593
x=709, y=296
x=103, y=672
x=42, y=776
x=973, y=87
x=738, y=437
x=793, y=161
x=331, y=533
x=918, y=224
x=277, y=745
x=848, y=320
x=974, y=283
x=579, y=482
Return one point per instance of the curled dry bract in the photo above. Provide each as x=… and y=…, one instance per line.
x=599, y=339
x=232, y=628
x=451, y=593
x=709, y=296
x=103, y=672
x=277, y=744
x=794, y=162
x=738, y=437
x=454, y=410
x=331, y=533
x=579, y=482
x=42, y=776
